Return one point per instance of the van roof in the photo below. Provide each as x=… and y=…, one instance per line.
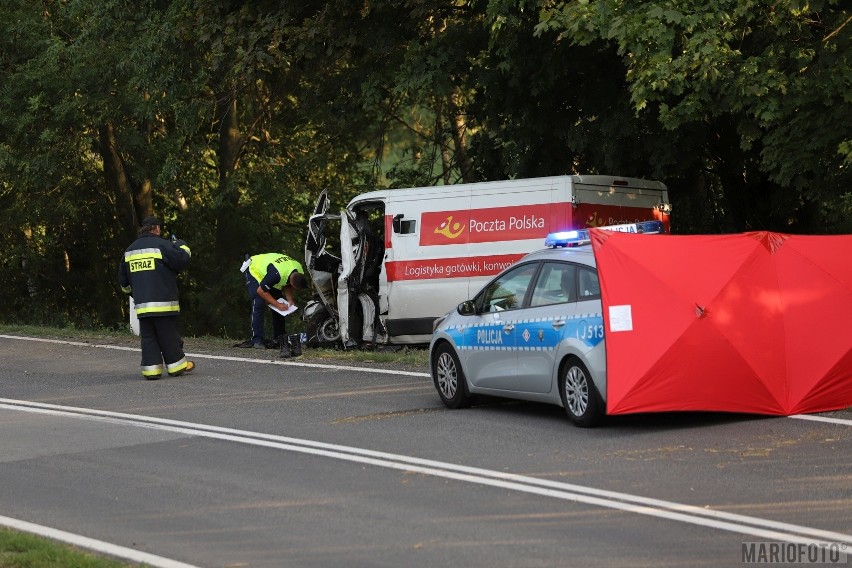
x=437, y=191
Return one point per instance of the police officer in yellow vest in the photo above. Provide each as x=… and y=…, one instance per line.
x=149, y=272
x=271, y=278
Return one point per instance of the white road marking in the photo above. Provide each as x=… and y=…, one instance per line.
x=711, y=518
x=92, y=544
x=829, y=419
x=753, y=526
x=288, y=363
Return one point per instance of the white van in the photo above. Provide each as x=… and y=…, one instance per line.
x=411, y=255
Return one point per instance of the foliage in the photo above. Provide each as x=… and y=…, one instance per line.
x=768, y=83
x=228, y=118
x=170, y=72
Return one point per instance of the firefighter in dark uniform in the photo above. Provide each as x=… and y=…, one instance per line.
x=148, y=272
x=271, y=278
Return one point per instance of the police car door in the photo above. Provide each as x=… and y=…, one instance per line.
x=491, y=338
x=587, y=326
x=551, y=313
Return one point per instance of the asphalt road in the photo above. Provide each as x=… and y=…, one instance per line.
x=250, y=462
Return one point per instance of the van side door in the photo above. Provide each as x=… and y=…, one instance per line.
x=348, y=253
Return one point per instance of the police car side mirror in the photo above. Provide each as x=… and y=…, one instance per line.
x=467, y=308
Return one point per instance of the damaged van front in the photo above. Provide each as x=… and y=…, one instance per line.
x=345, y=307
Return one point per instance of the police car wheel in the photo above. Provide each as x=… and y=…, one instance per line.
x=449, y=377
x=579, y=395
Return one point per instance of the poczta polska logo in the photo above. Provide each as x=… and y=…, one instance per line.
x=449, y=228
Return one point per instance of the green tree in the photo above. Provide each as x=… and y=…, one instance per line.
x=187, y=109
x=227, y=118
x=60, y=224
x=767, y=84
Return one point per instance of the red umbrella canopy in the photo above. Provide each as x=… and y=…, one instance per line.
x=815, y=279
x=704, y=322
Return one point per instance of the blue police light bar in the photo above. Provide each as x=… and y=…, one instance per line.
x=581, y=236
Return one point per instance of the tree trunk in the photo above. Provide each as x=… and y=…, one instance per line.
x=117, y=182
x=446, y=161
x=229, y=229
x=459, y=135
x=144, y=200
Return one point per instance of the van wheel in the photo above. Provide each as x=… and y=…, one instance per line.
x=579, y=395
x=328, y=331
x=449, y=378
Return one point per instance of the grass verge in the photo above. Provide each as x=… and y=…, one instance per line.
x=22, y=550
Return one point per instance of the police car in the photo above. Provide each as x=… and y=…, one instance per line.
x=535, y=332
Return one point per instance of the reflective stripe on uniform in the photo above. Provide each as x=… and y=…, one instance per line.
x=152, y=370
x=157, y=307
x=126, y=289
x=142, y=253
x=177, y=366
x=186, y=248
